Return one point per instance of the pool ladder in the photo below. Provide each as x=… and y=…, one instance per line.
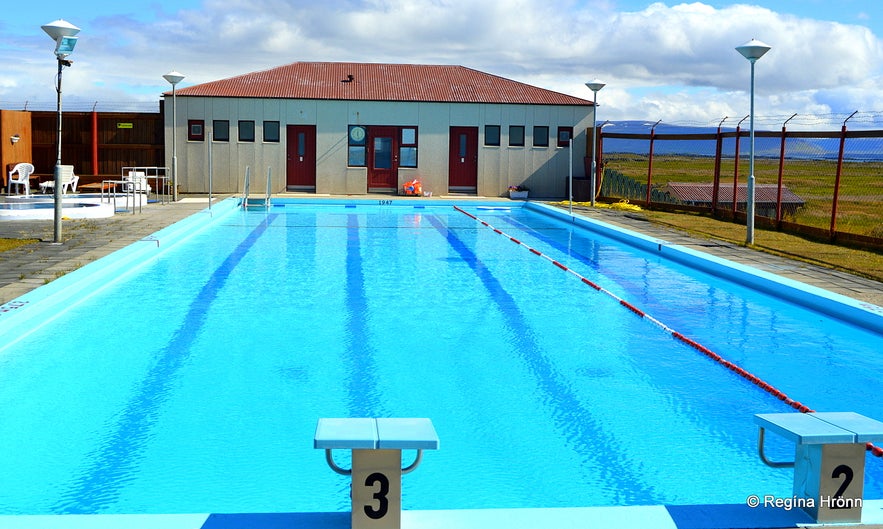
x=258, y=201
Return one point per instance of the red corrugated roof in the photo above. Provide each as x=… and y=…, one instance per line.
x=380, y=82
x=701, y=193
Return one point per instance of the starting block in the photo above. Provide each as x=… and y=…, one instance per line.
x=829, y=459
x=376, y=471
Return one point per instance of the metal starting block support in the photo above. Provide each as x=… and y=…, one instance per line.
x=829, y=459
x=376, y=471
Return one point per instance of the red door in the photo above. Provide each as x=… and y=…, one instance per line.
x=463, y=160
x=301, y=165
x=383, y=159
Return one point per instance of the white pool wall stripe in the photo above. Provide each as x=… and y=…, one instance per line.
x=635, y=517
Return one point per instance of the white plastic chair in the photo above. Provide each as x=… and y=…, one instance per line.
x=24, y=171
x=136, y=182
x=68, y=181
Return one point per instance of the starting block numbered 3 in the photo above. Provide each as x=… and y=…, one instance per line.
x=376, y=471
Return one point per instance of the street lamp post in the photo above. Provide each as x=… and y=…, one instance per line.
x=174, y=78
x=751, y=50
x=594, y=85
x=64, y=35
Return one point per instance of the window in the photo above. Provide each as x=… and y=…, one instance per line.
x=246, y=131
x=408, y=147
x=541, y=136
x=195, y=130
x=221, y=129
x=492, y=135
x=271, y=131
x=356, y=146
x=516, y=136
x=564, y=136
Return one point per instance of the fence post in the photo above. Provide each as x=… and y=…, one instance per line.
x=95, y=169
x=736, y=166
x=781, y=170
x=600, y=177
x=650, y=161
x=715, y=188
x=837, y=178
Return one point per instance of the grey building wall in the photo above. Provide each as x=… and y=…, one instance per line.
x=543, y=169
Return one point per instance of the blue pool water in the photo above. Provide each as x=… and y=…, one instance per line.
x=193, y=382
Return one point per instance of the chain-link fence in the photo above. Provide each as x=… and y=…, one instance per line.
x=826, y=183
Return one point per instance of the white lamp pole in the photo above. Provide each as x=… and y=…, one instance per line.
x=64, y=35
x=751, y=50
x=174, y=78
x=594, y=85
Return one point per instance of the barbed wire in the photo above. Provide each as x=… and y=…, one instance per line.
x=833, y=121
x=861, y=119
x=82, y=105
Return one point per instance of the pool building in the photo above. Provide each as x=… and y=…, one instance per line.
x=356, y=128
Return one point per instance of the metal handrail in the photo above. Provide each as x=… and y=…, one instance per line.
x=246, y=186
x=268, y=188
x=767, y=462
x=348, y=471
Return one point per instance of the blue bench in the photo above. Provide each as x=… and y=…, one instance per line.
x=829, y=457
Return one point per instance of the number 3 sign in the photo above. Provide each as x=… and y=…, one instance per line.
x=377, y=489
x=376, y=473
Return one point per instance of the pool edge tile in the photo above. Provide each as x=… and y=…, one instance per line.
x=104, y=521
x=631, y=517
x=636, y=517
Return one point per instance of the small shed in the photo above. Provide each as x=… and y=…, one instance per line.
x=354, y=128
x=765, y=197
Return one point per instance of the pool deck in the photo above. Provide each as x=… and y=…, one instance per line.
x=639, y=517
x=26, y=268
x=29, y=267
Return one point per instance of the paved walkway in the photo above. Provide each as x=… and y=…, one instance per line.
x=844, y=283
x=85, y=240
x=28, y=267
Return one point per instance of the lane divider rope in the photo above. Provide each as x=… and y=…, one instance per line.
x=757, y=381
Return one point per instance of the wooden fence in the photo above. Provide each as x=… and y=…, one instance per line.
x=98, y=143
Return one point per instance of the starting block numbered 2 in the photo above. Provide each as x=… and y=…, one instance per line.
x=829, y=459
x=376, y=471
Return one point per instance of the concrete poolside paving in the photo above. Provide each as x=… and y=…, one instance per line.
x=839, y=282
x=31, y=266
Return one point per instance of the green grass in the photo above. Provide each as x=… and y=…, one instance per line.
x=865, y=263
x=859, y=202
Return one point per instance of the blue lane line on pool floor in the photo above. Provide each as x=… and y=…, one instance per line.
x=98, y=486
x=590, y=441
x=361, y=380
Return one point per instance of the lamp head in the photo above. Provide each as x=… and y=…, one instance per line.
x=595, y=85
x=60, y=28
x=173, y=77
x=753, y=49
x=64, y=46
x=64, y=35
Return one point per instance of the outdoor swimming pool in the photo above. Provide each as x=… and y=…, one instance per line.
x=193, y=382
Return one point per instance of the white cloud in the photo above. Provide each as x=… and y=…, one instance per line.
x=676, y=62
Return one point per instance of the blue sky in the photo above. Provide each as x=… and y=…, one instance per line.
x=673, y=61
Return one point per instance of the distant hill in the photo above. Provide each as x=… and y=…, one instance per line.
x=861, y=149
